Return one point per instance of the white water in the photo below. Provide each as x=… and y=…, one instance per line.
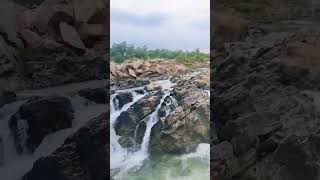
x=122, y=160
x=126, y=164
x=118, y=155
x=84, y=111
x=191, y=166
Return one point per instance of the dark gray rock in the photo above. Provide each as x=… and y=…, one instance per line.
x=260, y=108
x=127, y=122
x=141, y=129
x=123, y=98
x=82, y=156
x=98, y=95
x=7, y=97
x=38, y=117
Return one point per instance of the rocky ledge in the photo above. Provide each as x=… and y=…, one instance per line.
x=82, y=156
x=265, y=113
x=183, y=116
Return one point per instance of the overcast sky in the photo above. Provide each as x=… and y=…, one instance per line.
x=169, y=24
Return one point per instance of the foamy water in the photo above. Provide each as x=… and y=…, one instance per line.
x=84, y=111
x=138, y=164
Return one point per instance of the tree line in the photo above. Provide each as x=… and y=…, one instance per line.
x=123, y=51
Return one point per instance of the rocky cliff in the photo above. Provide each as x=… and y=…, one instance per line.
x=265, y=111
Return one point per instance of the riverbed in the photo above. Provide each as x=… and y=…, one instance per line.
x=138, y=164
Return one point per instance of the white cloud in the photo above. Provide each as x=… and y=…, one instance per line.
x=184, y=23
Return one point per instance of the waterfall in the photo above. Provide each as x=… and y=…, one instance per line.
x=22, y=163
x=153, y=119
x=119, y=154
x=123, y=160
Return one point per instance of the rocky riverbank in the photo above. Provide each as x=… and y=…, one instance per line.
x=42, y=126
x=53, y=75
x=265, y=119
x=157, y=115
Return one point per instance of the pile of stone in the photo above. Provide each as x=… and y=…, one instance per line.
x=144, y=68
x=35, y=39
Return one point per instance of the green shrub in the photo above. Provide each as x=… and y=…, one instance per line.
x=122, y=51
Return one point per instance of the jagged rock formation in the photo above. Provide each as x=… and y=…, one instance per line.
x=97, y=95
x=265, y=109
x=127, y=122
x=37, y=118
x=82, y=156
x=138, y=69
x=33, y=42
x=187, y=125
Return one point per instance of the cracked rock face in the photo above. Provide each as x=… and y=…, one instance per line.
x=187, y=125
x=261, y=107
x=82, y=156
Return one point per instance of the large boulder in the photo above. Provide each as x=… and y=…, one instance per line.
x=97, y=95
x=185, y=128
x=123, y=98
x=128, y=120
x=49, y=14
x=82, y=156
x=71, y=36
x=37, y=118
x=35, y=41
x=8, y=24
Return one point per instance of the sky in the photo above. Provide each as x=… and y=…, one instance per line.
x=168, y=24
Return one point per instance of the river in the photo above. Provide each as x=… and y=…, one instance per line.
x=127, y=164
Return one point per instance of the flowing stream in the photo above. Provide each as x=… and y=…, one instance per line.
x=128, y=164
x=22, y=163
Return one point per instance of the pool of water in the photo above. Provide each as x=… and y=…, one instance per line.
x=173, y=167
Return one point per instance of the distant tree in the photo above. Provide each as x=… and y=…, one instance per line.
x=122, y=51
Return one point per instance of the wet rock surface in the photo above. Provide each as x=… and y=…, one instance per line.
x=183, y=117
x=82, y=156
x=98, y=95
x=123, y=98
x=187, y=125
x=47, y=43
x=127, y=122
x=37, y=118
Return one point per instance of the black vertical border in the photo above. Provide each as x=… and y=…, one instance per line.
x=107, y=26
x=211, y=86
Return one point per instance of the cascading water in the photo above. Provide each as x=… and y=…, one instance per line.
x=22, y=163
x=135, y=164
x=123, y=160
x=119, y=154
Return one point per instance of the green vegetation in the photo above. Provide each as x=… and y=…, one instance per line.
x=123, y=51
